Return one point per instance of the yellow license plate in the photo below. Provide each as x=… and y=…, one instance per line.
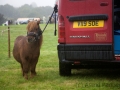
x=88, y=24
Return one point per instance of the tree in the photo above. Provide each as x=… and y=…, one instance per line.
x=2, y=19
x=33, y=4
x=25, y=11
x=9, y=11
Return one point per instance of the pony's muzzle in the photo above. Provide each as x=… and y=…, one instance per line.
x=31, y=39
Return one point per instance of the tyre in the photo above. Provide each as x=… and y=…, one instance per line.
x=64, y=69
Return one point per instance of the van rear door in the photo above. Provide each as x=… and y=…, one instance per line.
x=87, y=21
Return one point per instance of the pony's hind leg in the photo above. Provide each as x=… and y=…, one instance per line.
x=33, y=72
x=22, y=69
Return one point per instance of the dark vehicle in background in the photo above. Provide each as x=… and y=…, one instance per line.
x=88, y=34
x=24, y=22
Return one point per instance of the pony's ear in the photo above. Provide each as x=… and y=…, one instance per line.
x=28, y=21
x=38, y=21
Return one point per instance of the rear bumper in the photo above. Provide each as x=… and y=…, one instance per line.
x=92, y=64
x=90, y=56
x=102, y=52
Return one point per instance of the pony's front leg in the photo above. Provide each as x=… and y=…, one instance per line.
x=26, y=68
x=33, y=67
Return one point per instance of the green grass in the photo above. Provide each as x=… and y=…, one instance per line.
x=48, y=77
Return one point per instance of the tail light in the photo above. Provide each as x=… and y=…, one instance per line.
x=61, y=26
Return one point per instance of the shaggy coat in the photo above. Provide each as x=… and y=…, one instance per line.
x=26, y=49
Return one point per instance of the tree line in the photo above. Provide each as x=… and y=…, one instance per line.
x=8, y=12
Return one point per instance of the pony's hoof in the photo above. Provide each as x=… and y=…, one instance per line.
x=26, y=77
x=33, y=75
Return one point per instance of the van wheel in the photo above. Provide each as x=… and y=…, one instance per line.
x=64, y=69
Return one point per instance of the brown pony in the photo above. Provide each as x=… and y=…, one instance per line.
x=27, y=48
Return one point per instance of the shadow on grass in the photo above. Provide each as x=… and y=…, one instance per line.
x=81, y=74
x=49, y=78
x=97, y=73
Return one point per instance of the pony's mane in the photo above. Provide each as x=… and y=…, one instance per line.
x=32, y=25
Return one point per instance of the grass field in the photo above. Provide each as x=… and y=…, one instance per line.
x=48, y=77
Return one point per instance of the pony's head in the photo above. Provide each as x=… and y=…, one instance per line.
x=33, y=31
